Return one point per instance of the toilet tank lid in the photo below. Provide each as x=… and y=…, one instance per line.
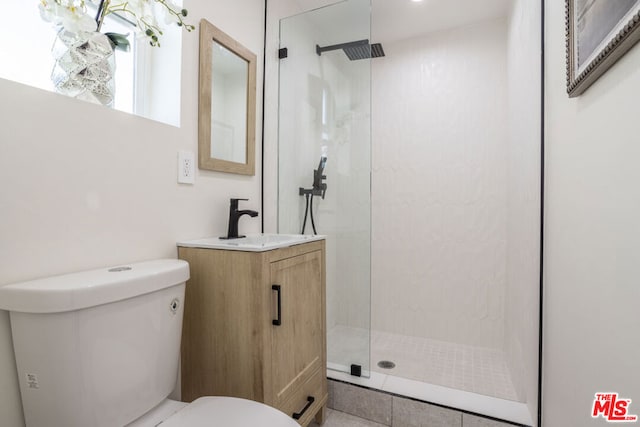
x=76, y=291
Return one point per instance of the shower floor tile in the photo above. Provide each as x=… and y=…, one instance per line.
x=463, y=367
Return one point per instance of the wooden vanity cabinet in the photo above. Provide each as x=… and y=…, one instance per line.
x=254, y=327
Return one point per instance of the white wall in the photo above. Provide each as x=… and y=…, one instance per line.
x=83, y=186
x=523, y=188
x=439, y=185
x=592, y=205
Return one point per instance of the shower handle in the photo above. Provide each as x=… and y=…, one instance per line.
x=278, y=320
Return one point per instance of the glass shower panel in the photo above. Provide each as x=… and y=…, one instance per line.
x=325, y=139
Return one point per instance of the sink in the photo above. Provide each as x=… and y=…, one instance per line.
x=252, y=242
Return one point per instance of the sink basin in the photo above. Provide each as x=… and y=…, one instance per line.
x=251, y=243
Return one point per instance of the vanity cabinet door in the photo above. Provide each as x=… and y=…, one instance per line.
x=297, y=341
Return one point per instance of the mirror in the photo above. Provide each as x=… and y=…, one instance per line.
x=227, y=103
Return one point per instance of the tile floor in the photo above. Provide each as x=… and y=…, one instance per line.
x=385, y=409
x=409, y=418
x=474, y=369
x=340, y=419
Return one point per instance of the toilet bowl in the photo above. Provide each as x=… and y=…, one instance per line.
x=214, y=411
x=101, y=348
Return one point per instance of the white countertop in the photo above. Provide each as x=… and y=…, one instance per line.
x=252, y=242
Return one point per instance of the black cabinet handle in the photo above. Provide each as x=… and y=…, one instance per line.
x=278, y=289
x=298, y=415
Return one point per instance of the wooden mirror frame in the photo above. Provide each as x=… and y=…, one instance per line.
x=208, y=34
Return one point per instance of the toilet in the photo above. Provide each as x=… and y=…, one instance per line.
x=101, y=348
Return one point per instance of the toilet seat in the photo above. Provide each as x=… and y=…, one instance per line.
x=213, y=411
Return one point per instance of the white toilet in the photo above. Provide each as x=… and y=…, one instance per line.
x=101, y=349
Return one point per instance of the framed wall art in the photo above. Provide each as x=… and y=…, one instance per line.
x=599, y=32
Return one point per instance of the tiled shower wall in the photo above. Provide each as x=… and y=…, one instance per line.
x=440, y=192
x=523, y=226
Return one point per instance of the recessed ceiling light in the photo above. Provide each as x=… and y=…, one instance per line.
x=416, y=1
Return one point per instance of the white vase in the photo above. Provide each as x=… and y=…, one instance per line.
x=84, y=66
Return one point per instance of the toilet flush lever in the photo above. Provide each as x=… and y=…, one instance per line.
x=175, y=304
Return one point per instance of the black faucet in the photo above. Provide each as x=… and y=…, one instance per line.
x=234, y=217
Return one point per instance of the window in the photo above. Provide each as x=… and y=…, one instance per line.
x=147, y=78
x=126, y=76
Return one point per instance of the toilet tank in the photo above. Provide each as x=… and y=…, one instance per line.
x=97, y=348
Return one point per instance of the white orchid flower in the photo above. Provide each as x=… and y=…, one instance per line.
x=140, y=8
x=75, y=19
x=148, y=15
x=48, y=10
x=72, y=15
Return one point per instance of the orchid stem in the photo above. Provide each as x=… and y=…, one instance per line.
x=100, y=16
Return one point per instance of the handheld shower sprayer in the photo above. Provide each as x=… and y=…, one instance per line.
x=319, y=188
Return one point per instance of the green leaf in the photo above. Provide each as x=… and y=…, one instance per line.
x=119, y=41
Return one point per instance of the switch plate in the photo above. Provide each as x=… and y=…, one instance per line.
x=186, y=167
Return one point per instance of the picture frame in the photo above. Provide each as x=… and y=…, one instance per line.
x=598, y=33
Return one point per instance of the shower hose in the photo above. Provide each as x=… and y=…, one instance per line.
x=308, y=212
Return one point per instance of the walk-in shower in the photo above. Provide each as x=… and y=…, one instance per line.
x=431, y=189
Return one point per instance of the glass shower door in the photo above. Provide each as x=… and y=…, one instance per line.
x=324, y=157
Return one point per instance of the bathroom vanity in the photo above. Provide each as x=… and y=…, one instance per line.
x=254, y=322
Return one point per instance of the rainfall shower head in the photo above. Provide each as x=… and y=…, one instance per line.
x=363, y=52
x=360, y=49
